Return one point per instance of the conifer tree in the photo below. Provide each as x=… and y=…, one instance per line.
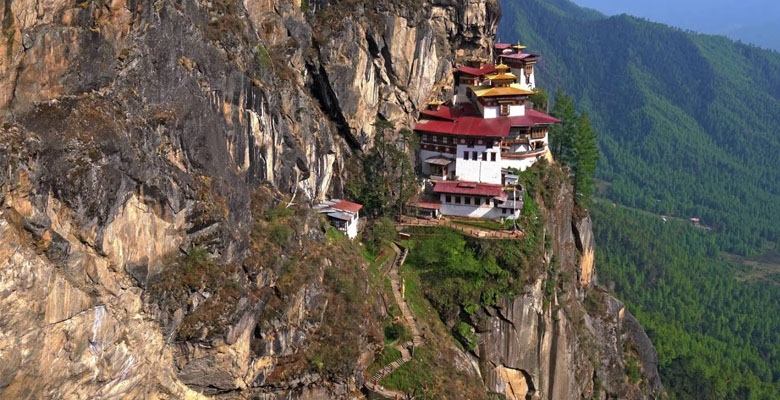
x=585, y=154
x=387, y=180
x=540, y=100
x=562, y=135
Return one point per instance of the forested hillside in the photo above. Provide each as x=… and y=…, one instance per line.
x=688, y=123
x=716, y=333
x=688, y=127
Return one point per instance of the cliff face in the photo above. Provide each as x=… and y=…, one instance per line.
x=145, y=148
x=565, y=338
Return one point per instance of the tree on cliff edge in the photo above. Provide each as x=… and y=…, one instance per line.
x=573, y=144
x=583, y=165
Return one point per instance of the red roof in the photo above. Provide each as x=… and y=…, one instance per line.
x=502, y=46
x=487, y=69
x=452, y=113
x=468, y=126
x=532, y=118
x=443, y=112
x=427, y=205
x=466, y=121
x=520, y=56
x=471, y=188
x=347, y=206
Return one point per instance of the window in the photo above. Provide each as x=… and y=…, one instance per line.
x=448, y=199
x=479, y=141
x=504, y=109
x=445, y=139
x=474, y=155
x=484, y=156
x=467, y=200
x=492, y=156
x=465, y=155
x=477, y=201
x=457, y=199
x=435, y=139
x=503, y=211
x=471, y=142
x=425, y=137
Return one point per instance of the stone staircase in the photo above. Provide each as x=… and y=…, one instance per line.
x=417, y=340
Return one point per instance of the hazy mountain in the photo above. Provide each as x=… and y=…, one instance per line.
x=751, y=21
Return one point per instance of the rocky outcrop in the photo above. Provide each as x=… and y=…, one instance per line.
x=583, y=234
x=565, y=338
x=144, y=147
x=134, y=132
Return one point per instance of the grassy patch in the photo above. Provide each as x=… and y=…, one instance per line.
x=387, y=356
x=415, y=375
x=465, y=333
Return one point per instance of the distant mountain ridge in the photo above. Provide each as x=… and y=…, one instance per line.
x=751, y=21
x=688, y=123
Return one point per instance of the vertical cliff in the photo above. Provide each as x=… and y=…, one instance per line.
x=158, y=159
x=564, y=337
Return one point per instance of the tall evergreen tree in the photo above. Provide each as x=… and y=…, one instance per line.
x=562, y=135
x=388, y=179
x=585, y=154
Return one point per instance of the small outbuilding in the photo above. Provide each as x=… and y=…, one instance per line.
x=343, y=215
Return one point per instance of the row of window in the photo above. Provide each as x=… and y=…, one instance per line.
x=435, y=139
x=446, y=140
x=477, y=201
x=468, y=200
x=475, y=155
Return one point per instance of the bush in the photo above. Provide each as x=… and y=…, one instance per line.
x=279, y=233
x=632, y=369
x=394, y=332
x=381, y=234
x=465, y=334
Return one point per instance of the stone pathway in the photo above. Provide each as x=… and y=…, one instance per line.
x=468, y=230
x=410, y=322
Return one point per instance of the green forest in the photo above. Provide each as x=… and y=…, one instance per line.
x=686, y=125
x=717, y=336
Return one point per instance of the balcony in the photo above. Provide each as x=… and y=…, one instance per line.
x=518, y=140
x=524, y=154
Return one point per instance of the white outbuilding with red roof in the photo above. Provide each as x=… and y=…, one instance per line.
x=342, y=214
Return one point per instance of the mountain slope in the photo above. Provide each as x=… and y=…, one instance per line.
x=687, y=127
x=688, y=122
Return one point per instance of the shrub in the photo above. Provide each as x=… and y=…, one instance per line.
x=394, y=332
x=465, y=334
x=279, y=233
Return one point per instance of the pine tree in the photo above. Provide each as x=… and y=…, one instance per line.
x=540, y=100
x=388, y=180
x=562, y=135
x=585, y=154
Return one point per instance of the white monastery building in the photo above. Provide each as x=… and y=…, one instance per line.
x=470, y=150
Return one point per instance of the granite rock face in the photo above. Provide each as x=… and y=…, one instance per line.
x=573, y=341
x=135, y=131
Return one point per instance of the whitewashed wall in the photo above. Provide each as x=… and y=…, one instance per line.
x=478, y=171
